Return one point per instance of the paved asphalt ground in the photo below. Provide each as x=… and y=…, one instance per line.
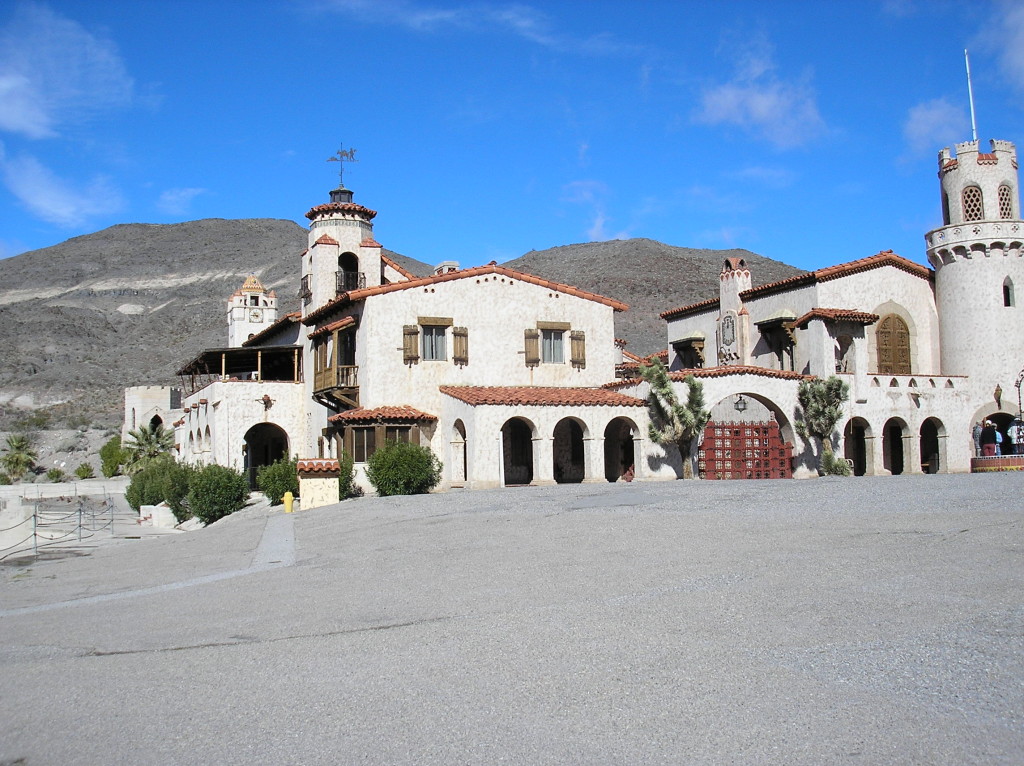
x=829, y=621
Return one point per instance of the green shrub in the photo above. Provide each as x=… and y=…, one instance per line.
x=85, y=471
x=398, y=468
x=831, y=465
x=112, y=457
x=55, y=475
x=146, y=487
x=215, y=492
x=276, y=479
x=347, y=478
x=175, y=483
x=4, y=479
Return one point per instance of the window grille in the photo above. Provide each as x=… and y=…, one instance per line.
x=1005, y=202
x=974, y=210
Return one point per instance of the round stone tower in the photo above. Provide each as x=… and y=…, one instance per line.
x=979, y=264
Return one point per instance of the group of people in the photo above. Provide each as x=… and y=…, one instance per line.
x=989, y=441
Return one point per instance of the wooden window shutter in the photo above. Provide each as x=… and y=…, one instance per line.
x=578, y=349
x=411, y=343
x=532, y=347
x=460, y=342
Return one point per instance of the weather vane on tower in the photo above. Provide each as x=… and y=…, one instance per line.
x=342, y=156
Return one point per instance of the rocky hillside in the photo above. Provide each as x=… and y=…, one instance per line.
x=128, y=305
x=650, y=276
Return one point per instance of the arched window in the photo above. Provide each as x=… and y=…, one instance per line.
x=1005, y=202
x=1008, y=299
x=349, y=276
x=974, y=209
x=893, y=338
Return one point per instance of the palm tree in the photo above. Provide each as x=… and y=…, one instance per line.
x=672, y=422
x=147, y=444
x=821, y=406
x=20, y=457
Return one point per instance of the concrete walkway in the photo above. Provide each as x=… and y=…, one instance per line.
x=866, y=621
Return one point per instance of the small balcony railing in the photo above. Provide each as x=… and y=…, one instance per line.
x=351, y=280
x=344, y=377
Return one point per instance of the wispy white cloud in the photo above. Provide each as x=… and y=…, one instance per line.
x=773, y=178
x=783, y=112
x=592, y=195
x=54, y=71
x=934, y=123
x=1009, y=40
x=521, y=20
x=58, y=200
x=177, y=201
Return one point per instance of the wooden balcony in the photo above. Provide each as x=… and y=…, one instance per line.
x=338, y=385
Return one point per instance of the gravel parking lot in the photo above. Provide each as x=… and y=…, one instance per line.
x=861, y=621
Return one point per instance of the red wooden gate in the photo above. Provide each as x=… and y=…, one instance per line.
x=744, y=451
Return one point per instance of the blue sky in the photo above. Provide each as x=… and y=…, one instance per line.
x=803, y=131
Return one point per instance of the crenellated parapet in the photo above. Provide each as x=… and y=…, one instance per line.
x=980, y=239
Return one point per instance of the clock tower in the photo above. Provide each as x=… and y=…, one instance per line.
x=251, y=309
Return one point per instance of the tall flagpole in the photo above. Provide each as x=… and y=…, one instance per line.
x=970, y=95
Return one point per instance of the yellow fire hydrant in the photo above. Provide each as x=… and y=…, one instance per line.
x=289, y=501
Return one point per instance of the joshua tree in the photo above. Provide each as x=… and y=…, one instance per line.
x=821, y=403
x=147, y=444
x=672, y=422
x=19, y=458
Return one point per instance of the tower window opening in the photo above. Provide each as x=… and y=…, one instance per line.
x=1008, y=299
x=945, y=209
x=1005, y=202
x=974, y=209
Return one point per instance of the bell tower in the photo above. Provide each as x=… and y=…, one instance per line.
x=979, y=263
x=251, y=309
x=342, y=255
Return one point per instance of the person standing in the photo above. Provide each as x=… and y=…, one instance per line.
x=976, y=433
x=988, y=439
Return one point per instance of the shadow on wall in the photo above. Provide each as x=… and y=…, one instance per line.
x=662, y=459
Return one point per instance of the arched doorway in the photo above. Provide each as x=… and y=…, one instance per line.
x=932, y=436
x=265, y=443
x=155, y=421
x=458, y=460
x=517, y=449
x=893, y=457
x=568, y=453
x=855, y=444
x=619, y=448
x=1003, y=420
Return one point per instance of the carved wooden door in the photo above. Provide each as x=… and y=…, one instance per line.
x=893, y=346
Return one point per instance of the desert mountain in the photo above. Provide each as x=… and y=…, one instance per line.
x=129, y=305
x=650, y=276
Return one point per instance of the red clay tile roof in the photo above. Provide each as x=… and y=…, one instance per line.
x=369, y=242
x=366, y=292
x=341, y=207
x=262, y=335
x=328, y=328
x=319, y=465
x=397, y=267
x=876, y=261
x=548, y=396
x=326, y=240
x=631, y=356
x=987, y=159
x=719, y=372
x=834, y=315
x=402, y=413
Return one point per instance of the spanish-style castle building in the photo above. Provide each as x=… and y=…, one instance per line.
x=511, y=379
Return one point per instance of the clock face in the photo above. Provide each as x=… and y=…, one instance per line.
x=255, y=315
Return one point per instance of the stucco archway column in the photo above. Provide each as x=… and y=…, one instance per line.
x=593, y=460
x=872, y=456
x=543, y=461
x=912, y=454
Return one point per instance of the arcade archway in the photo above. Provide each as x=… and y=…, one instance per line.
x=517, y=451
x=568, y=453
x=265, y=443
x=856, y=436
x=893, y=454
x=619, y=449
